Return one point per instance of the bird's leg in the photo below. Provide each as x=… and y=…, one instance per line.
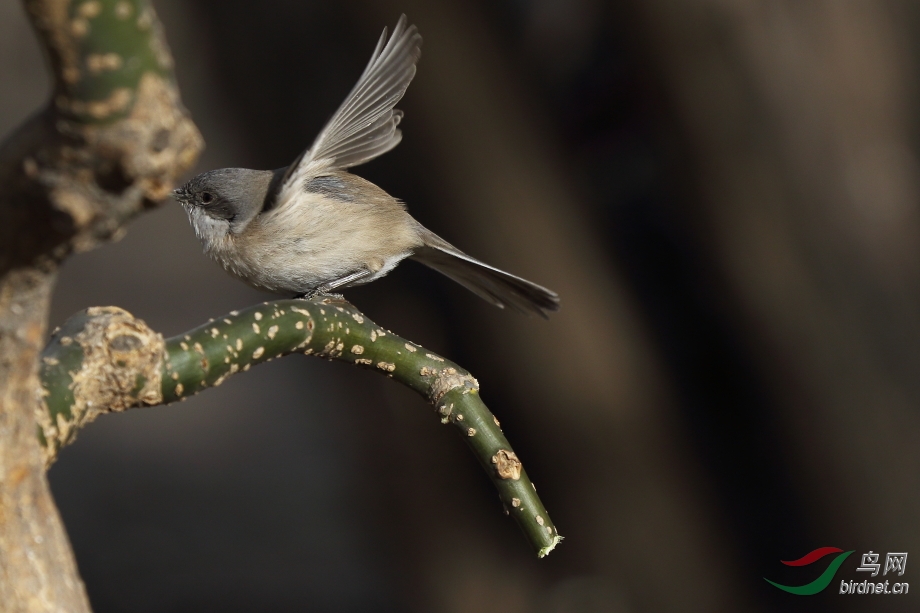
x=313, y=293
x=318, y=292
x=325, y=289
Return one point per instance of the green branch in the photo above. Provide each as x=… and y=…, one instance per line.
x=104, y=360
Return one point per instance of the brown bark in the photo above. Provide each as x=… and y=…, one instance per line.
x=37, y=569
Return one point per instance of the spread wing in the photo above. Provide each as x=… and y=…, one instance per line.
x=365, y=125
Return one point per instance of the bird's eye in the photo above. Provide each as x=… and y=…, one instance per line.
x=206, y=197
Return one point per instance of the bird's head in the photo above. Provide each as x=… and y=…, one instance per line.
x=224, y=200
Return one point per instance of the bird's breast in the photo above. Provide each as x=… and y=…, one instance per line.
x=301, y=245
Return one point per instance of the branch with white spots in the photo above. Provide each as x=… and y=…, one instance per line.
x=104, y=360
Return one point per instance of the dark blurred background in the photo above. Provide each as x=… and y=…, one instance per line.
x=726, y=194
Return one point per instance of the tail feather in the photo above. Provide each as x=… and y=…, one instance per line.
x=489, y=283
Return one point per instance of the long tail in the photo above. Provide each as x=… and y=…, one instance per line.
x=491, y=284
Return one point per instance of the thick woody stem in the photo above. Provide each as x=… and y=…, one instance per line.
x=104, y=360
x=110, y=143
x=100, y=50
x=37, y=569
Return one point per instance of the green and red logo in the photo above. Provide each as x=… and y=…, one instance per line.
x=823, y=580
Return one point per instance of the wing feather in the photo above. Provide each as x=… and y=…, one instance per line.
x=365, y=125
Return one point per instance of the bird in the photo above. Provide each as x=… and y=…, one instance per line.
x=313, y=227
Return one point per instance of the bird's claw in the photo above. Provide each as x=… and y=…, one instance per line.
x=319, y=293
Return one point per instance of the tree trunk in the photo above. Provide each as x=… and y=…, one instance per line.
x=109, y=145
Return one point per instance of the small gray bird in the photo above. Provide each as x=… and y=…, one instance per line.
x=313, y=227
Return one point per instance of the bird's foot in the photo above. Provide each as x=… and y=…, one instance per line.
x=319, y=293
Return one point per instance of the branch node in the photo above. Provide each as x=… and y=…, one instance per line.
x=107, y=361
x=447, y=380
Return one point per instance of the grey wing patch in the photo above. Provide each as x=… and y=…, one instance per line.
x=331, y=186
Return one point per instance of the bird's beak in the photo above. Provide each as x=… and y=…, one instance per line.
x=181, y=195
